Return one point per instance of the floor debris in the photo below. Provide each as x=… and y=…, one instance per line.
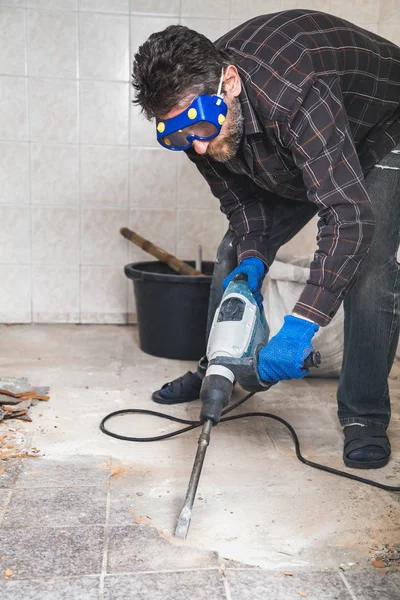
x=388, y=557
x=17, y=396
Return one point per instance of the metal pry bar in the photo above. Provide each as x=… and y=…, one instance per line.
x=185, y=517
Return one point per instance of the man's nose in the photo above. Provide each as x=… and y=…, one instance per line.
x=200, y=146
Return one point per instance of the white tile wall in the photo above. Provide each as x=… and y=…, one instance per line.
x=13, y=108
x=247, y=10
x=59, y=4
x=104, y=46
x=103, y=293
x=156, y=7
x=102, y=244
x=199, y=227
x=54, y=174
x=142, y=131
x=58, y=56
x=55, y=294
x=15, y=246
x=19, y=3
x=358, y=11
x=104, y=108
x=55, y=235
x=193, y=191
x=323, y=5
x=109, y=6
x=211, y=28
x=104, y=175
x=143, y=26
x=193, y=8
x=14, y=172
x=390, y=29
x=53, y=110
x=152, y=165
x=78, y=160
x=12, y=42
x=158, y=226
x=15, y=297
x=389, y=9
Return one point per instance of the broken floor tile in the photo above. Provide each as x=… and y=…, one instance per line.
x=201, y=585
x=164, y=506
x=372, y=585
x=143, y=548
x=35, y=552
x=66, y=471
x=56, y=507
x=9, y=471
x=85, y=588
x=259, y=585
x=16, y=385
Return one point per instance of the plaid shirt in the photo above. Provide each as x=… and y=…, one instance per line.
x=320, y=100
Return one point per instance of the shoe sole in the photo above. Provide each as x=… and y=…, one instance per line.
x=360, y=464
x=160, y=400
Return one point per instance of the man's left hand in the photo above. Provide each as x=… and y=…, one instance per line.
x=284, y=355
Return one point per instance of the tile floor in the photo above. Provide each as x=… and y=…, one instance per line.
x=93, y=517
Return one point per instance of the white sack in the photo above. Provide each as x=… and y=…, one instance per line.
x=284, y=284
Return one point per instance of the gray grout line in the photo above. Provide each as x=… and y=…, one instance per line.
x=57, y=577
x=74, y=79
x=28, y=107
x=117, y=574
x=62, y=265
x=227, y=588
x=78, y=117
x=204, y=569
x=100, y=207
x=160, y=571
x=348, y=587
x=127, y=246
x=62, y=487
x=105, y=547
x=131, y=13
x=224, y=579
x=88, y=144
x=44, y=527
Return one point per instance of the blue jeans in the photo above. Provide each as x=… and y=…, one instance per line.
x=371, y=307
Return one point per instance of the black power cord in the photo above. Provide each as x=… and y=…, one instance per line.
x=195, y=424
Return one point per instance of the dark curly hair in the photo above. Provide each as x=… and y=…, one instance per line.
x=173, y=64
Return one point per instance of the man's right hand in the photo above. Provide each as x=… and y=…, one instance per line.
x=254, y=268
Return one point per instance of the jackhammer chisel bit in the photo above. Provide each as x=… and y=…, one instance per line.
x=185, y=517
x=215, y=394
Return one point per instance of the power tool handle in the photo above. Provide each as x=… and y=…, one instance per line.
x=240, y=277
x=312, y=360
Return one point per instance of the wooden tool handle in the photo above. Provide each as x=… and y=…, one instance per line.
x=172, y=261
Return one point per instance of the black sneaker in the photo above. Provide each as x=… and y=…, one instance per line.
x=183, y=389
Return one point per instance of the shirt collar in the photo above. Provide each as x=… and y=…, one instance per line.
x=251, y=123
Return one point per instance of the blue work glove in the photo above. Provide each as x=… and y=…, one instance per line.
x=254, y=269
x=283, y=357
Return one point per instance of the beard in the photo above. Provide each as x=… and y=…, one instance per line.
x=225, y=147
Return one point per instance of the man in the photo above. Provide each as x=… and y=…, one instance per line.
x=289, y=115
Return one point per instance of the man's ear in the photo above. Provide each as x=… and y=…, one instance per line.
x=232, y=83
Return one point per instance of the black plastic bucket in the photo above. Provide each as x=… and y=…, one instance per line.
x=171, y=309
